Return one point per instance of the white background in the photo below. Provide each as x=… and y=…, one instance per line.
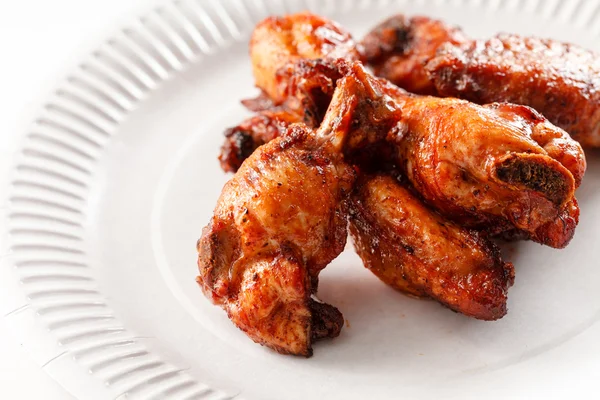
x=40, y=41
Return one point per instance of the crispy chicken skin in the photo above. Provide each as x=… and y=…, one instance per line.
x=521, y=194
x=241, y=140
x=278, y=222
x=415, y=250
x=282, y=218
x=498, y=167
x=410, y=257
x=425, y=250
x=277, y=43
x=494, y=167
x=559, y=80
x=398, y=48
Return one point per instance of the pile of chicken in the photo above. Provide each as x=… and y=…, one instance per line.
x=421, y=182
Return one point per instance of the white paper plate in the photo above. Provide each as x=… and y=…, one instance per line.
x=117, y=175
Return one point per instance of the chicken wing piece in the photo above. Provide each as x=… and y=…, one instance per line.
x=415, y=250
x=494, y=167
x=277, y=43
x=559, y=80
x=282, y=218
x=399, y=47
x=260, y=255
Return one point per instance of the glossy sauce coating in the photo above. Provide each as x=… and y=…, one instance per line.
x=282, y=218
x=560, y=80
x=498, y=166
x=278, y=222
x=278, y=42
x=399, y=47
x=456, y=266
x=415, y=250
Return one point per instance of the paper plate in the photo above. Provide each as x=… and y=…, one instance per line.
x=117, y=175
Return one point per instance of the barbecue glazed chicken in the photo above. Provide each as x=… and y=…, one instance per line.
x=282, y=218
x=414, y=249
x=426, y=56
x=325, y=147
x=280, y=46
x=261, y=253
x=242, y=140
x=500, y=167
x=496, y=167
x=551, y=223
x=391, y=241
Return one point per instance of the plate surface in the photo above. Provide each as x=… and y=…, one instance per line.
x=118, y=174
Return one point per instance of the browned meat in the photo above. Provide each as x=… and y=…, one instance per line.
x=560, y=80
x=260, y=256
x=498, y=167
x=425, y=250
x=277, y=43
x=415, y=250
x=399, y=47
x=282, y=218
x=494, y=167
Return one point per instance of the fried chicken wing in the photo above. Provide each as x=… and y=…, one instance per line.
x=282, y=218
x=493, y=167
x=277, y=43
x=559, y=80
x=278, y=222
x=260, y=256
x=417, y=251
x=467, y=171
